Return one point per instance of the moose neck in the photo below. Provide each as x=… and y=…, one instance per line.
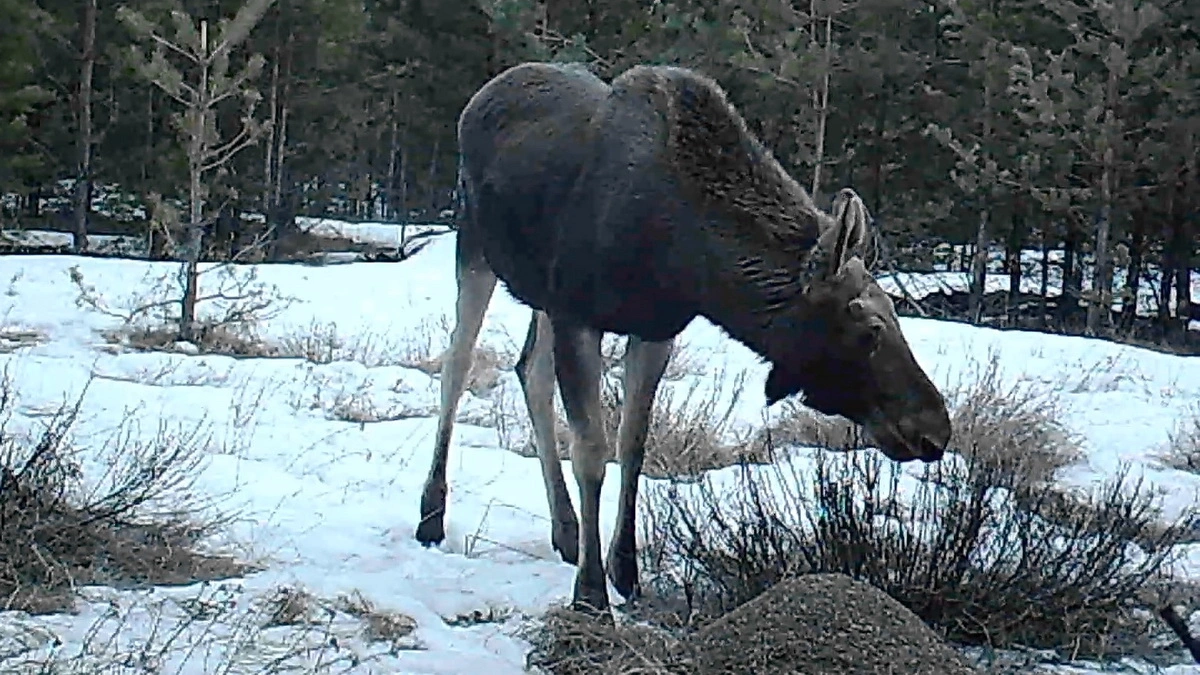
x=758, y=299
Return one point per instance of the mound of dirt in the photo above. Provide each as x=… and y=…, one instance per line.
x=822, y=624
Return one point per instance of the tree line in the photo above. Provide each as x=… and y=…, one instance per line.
x=1068, y=127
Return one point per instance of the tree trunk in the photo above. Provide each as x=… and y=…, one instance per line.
x=1166, y=277
x=402, y=197
x=979, y=268
x=821, y=97
x=1044, y=285
x=393, y=159
x=1072, y=274
x=196, y=151
x=1099, y=314
x=1133, y=277
x=1183, y=278
x=1013, y=263
x=268, y=185
x=978, y=286
x=280, y=138
x=149, y=153
x=85, y=136
x=433, y=186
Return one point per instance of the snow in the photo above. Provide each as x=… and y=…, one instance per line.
x=330, y=506
x=379, y=234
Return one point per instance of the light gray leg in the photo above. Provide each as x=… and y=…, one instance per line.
x=476, y=282
x=645, y=363
x=578, y=366
x=535, y=370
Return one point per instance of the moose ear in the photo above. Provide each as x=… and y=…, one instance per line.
x=849, y=229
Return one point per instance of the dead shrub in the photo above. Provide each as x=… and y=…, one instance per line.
x=393, y=628
x=211, y=338
x=55, y=534
x=1015, y=427
x=1182, y=449
x=358, y=407
x=487, y=366
x=567, y=642
x=798, y=425
x=235, y=300
x=692, y=433
x=977, y=546
x=13, y=338
x=691, y=427
x=322, y=343
x=290, y=607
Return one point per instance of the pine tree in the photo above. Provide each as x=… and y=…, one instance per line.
x=207, y=58
x=20, y=95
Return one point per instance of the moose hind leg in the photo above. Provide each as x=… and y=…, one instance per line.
x=535, y=371
x=645, y=363
x=476, y=282
x=578, y=365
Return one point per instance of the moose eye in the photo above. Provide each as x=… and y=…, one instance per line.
x=869, y=338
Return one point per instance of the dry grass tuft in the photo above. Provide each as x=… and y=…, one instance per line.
x=692, y=425
x=488, y=365
x=323, y=343
x=1016, y=427
x=12, y=339
x=291, y=607
x=570, y=643
x=212, y=338
x=1182, y=449
x=798, y=425
x=358, y=407
x=55, y=535
x=692, y=433
x=394, y=628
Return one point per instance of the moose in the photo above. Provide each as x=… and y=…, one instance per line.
x=632, y=208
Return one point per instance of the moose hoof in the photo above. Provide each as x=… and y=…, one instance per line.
x=431, y=531
x=591, y=592
x=622, y=571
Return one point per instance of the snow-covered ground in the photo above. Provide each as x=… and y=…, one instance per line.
x=388, y=235
x=330, y=506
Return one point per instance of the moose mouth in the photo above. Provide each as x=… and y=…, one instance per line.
x=902, y=447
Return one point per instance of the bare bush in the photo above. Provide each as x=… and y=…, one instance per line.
x=149, y=318
x=1182, y=449
x=692, y=426
x=211, y=338
x=323, y=343
x=978, y=549
x=1013, y=427
x=570, y=643
x=798, y=425
x=357, y=406
x=13, y=338
x=130, y=527
x=217, y=628
x=1016, y=425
